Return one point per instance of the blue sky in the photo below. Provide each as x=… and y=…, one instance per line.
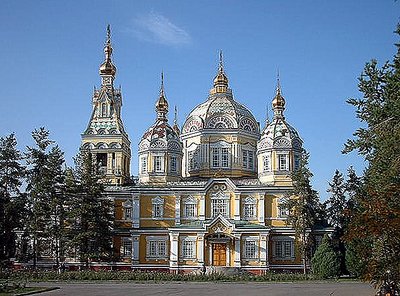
x=51, y=51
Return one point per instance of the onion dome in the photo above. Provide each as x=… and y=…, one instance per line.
x=107, y=67
x=220, y=80
x=160, y=133
x=279, y=133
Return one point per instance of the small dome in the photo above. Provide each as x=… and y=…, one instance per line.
x=107, y=68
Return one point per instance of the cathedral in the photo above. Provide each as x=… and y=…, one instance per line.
x=208, y=194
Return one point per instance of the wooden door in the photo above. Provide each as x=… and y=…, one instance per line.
x=219, y=254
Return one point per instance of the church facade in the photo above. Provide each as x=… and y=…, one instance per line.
x=208, y=194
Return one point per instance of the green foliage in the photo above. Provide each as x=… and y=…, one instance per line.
x=326, y=261
x=11, y=199
x=142, y=276
x=354, y=261
x=45, y=195
x=336, y=203
x=304, y=207
x=375, y=217
x=89, y=211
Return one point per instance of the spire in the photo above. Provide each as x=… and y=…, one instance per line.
x=267, y=120
x=278, y=103
x=176, y=127
x=220, y=80
x=107, y=68
x=162, y=104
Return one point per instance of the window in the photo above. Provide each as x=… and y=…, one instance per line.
x=157, y=207
x=127, y=210
x=173, y=164
x=251, y=248
x=283, y=249
x=156, y=247
x=103, y=110
x=267, y=164
x=283, y=212
x=296, y=162
x=126, y=247
x=220, y=157
x=193, y=162
x=249, y=208
x=283, y=162
x=158, y=163
x=188, y=248
x=190, y=208
x=220, y=204
x=248, y=159
x=143, y=162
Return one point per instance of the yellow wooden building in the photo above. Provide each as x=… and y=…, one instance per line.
x=208, y=194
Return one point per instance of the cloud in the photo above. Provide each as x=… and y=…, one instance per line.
x=157, y=28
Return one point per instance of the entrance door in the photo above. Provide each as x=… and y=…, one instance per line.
x=219, y=254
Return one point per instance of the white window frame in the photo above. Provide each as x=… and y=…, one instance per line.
x=283, y=161
x=188, y=250
x=156, y=247
x=220, y=204
x=158, y=162
x=249, y=208
x=251, y=248
x=126, y=247
x=191, y=202
x=266, y=163
x=157, y=208
x=127, y=210
x=283, y=248
x=220, y=155
x=143, y=164
x=193, y=161
x=281, y=211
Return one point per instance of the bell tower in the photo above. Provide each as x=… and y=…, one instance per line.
x=105, y=135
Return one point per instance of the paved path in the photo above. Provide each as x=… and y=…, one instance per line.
x=210, y=288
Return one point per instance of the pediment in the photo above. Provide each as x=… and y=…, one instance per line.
x=220, y=225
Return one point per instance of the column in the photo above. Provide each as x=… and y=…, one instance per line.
x=264, y=249
x=237, y=206
x=261, y=209
x=135, y=248
x=173, y=253
x=177, y=209
x=228, y=254
x=136, y=211
x=237, y=262
x=200, y=248
x=202, y=212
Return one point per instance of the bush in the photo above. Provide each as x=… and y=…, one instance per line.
x=326, y=262
x=354, y=263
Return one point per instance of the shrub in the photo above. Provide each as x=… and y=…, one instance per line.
x=326, y=261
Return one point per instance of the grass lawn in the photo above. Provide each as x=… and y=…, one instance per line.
x=26, y=291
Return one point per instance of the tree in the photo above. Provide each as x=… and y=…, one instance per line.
x=89, y=211
x=376, y=216
x=11, y=198
x=304, y=208
x=326, y=262
x=45, y=195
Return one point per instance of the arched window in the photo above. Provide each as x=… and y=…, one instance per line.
x=249, y=208
x=103, y=109
x=157, y=207
x=127, y=210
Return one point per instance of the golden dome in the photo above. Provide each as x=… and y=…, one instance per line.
x=107, y=67
x=220, y=80
x=162, y=103
x=278, y=103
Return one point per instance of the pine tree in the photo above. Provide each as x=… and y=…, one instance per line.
x=11, y=199
x=336, y=204
x=89, y=212
x=326, y=262
x=304, y=208
x=45, y=196
x=376, y=216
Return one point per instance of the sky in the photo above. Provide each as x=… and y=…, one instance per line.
x=51, y=51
